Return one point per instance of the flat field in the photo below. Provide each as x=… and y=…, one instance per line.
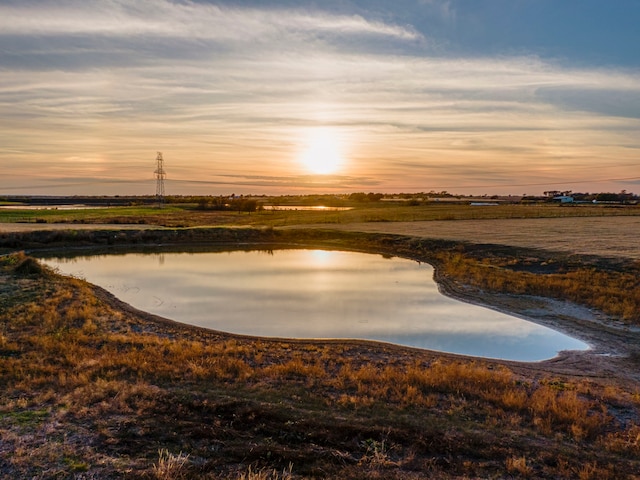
x=185, y=215
x=585, y=229
x=602, y=236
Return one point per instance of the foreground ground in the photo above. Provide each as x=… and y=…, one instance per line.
x=94, y=389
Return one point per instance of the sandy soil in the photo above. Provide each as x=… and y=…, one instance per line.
x=603, y=236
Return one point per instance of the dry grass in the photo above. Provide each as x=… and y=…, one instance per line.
x=518, y=466
x=170, y=466
x=90, y=389
x=266, y=474
x=603, y=235
x=106, y=389
x=616, y=293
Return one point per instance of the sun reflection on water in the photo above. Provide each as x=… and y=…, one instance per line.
x=316, y=294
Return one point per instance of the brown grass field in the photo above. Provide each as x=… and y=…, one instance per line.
x=92, y=388
x=600, y=236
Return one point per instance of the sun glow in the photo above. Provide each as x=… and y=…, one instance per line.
x=322, y=152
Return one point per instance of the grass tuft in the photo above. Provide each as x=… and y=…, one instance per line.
x=170, y=466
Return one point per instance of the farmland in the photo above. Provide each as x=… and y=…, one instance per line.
x=190, y=214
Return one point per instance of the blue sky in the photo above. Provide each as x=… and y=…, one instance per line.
x=485, y=96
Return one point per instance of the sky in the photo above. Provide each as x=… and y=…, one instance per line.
x=334, y=96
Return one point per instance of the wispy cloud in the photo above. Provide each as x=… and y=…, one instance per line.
x=117, y=18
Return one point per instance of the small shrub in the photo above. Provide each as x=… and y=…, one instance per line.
x=28, y=266
x=267, y=474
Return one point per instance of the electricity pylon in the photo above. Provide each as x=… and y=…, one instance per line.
x=160, y=176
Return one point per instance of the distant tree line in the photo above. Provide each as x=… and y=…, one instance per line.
x=362, y=197
x=237, y=204
x=622, y=197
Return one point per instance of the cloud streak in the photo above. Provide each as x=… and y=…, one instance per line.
x=187, y=20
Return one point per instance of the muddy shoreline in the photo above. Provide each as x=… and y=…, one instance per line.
x=613, y=354
x=608, y=359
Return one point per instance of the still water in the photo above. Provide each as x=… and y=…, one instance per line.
x=315, y=294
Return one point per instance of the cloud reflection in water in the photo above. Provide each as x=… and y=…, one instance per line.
x=316, y=294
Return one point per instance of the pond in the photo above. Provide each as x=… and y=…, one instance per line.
x=297, y=293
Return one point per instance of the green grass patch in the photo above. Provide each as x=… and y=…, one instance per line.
x=98, y=215
x=25, y=418
x=173, y=215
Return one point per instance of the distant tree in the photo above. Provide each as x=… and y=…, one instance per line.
x=244, y=205
x=625, y=196
x=358, y=197
x=212, y=203
x=607, y=197
x=203, y=203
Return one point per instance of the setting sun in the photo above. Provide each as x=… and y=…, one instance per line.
x=321, y=153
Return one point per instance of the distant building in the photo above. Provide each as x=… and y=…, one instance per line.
x=563, y=199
